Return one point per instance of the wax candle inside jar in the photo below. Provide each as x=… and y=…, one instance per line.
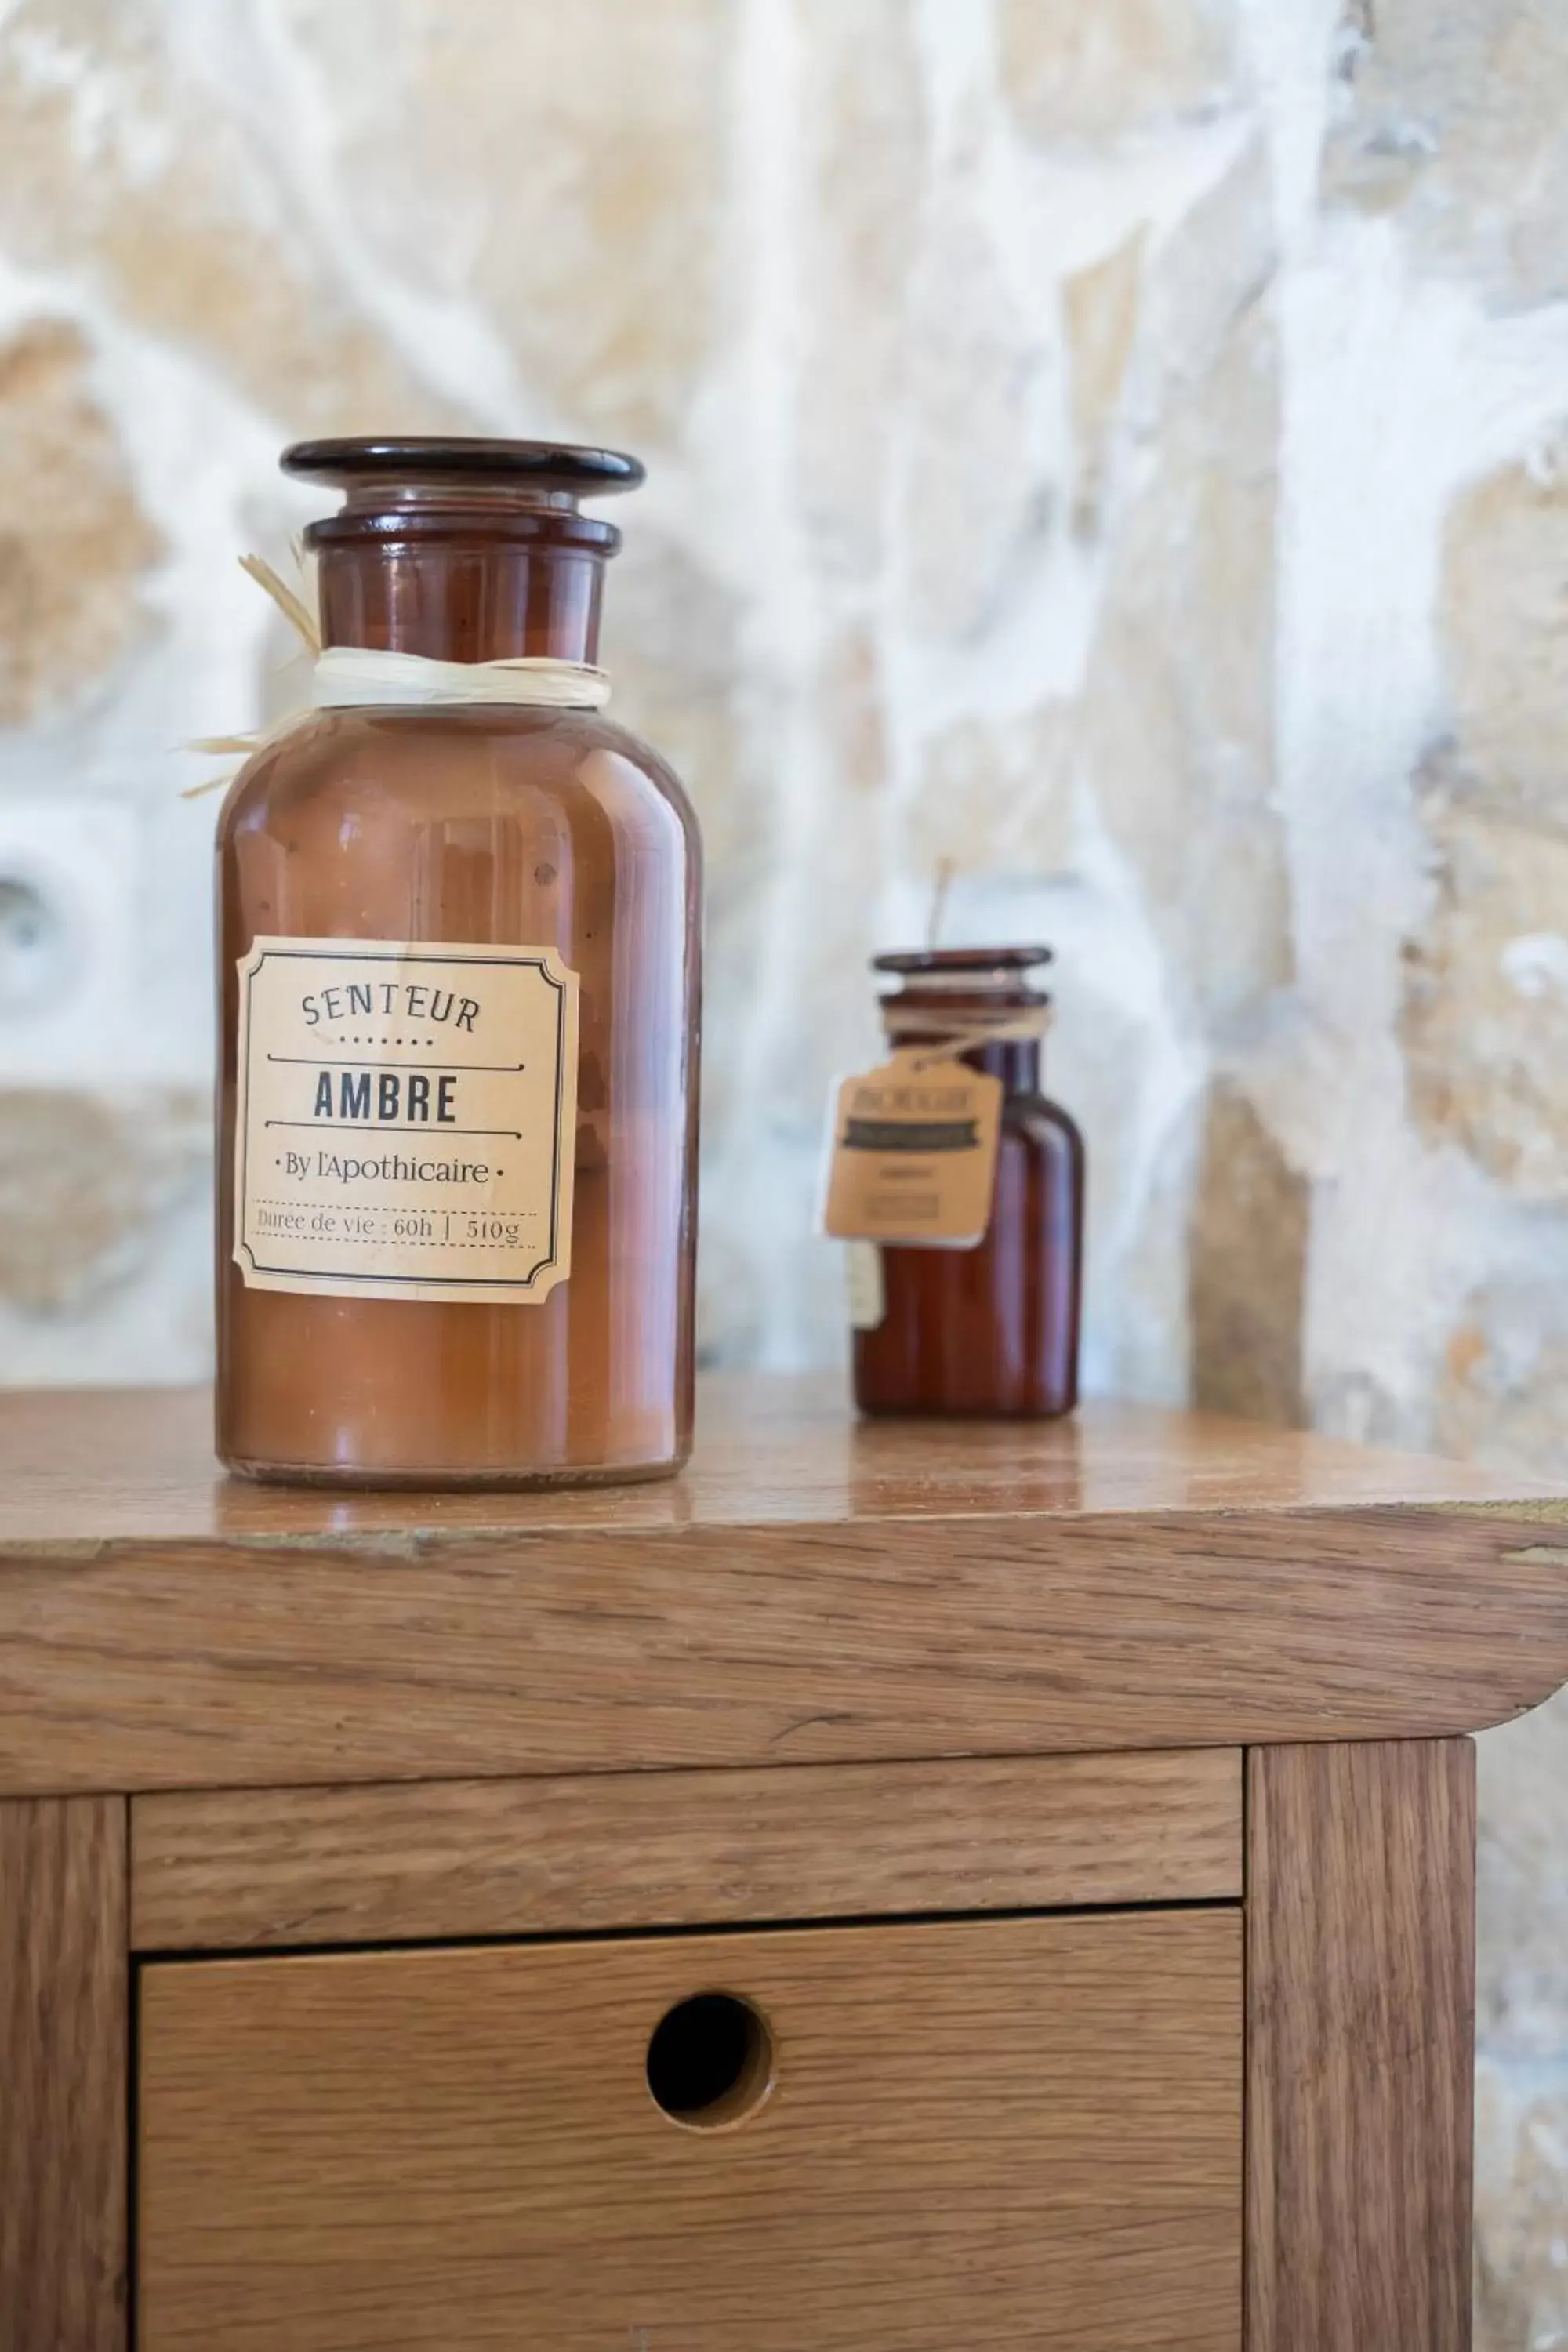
x=991, y=1330
x=458, y=974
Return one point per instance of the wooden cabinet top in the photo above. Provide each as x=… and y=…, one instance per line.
x=773, y=1453
x=811, y=1589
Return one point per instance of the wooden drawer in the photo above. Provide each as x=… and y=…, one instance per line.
x=938, y=2138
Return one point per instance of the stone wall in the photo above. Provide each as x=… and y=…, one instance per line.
x=1123, y=448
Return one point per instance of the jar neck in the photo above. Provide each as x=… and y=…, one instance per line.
x=1014, y=1060
x=463, y=600
x=462, y=572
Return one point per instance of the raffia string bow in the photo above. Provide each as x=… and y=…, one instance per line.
x=349, y=678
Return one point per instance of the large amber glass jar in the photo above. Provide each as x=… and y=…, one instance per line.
x=458, y=1014
x=992, y=1329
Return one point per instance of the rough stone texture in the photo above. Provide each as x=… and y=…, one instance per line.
x=998, y=791
x=74, y=544
x=1486, y=1020
x=85, y=1181
x=1500, y=617
x=143, y=162
x=1485, y=1015
x=1201, y=286
x=1082, y=73
x=858, y=240
x=1502, y=1391
x=1100, y=305
x=1523, y=1888
x=1118, y=449
x=608, y=123
x=1183, y=767
x=972, y=495
x=1522, y=2265
x=1251, y=1231
x=1453, y=116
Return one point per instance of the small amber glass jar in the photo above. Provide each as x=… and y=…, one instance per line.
x=458, y=1017
x=993, y=1329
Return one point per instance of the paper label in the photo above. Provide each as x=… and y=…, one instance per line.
x=866, y=1283
x=913, y=1155
x=406, y=1120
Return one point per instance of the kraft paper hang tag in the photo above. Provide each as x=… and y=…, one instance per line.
x=913, y=1153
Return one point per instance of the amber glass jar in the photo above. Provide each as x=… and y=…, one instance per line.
x=991, y=1330
x=551, y=863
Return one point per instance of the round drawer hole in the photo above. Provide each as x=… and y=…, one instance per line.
x=711, y=2061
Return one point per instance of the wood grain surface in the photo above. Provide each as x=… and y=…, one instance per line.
x=812, y=1592
x=1361, y=1990
x=123, y=1465
x=205, y=1667
x=382, y=1864
x=982, y=2134
x=63, y=2075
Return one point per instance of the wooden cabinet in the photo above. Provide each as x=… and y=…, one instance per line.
x=362, y=1859
x=915, y=2138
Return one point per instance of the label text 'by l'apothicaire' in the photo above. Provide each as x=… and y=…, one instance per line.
x=391, y=1168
